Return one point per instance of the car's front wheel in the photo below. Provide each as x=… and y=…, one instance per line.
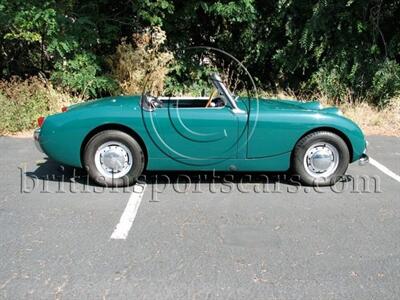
x=113, y=158
x=320, y=158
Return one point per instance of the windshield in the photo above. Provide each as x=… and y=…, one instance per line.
x=225, y=97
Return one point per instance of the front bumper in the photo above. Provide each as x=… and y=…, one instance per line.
x=364, y=159
x=36, y=135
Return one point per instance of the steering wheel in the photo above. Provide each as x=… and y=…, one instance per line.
x=213, y=94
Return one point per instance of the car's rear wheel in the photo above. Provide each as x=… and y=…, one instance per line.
x=113, y=158
x=320, y=158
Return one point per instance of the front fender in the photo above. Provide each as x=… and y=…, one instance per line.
x=276, y=133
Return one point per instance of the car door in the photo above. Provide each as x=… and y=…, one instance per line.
x=194, y=133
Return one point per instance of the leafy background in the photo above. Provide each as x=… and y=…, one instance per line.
x=345, y=51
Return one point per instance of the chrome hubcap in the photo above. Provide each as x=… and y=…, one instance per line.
x=113, y=159
x=321, y=160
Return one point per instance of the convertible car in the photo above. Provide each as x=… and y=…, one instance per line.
x=116, y=138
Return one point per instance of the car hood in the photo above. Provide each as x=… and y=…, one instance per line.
x=272, y=104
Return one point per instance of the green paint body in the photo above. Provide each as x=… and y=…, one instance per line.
x=261, y=138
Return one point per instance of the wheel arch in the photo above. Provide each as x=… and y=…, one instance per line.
x=332, y=130
x=114, y=126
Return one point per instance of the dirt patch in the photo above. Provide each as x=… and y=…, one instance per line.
x=374, y=121
x=22, y=134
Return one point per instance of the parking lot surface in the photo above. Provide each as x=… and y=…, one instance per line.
x=200, y=236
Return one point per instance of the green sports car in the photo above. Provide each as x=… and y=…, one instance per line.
x=116, y=138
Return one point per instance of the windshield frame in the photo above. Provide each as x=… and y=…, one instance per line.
x=222, y=89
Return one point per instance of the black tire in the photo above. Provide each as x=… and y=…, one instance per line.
x=307, y=142
x=137, y=156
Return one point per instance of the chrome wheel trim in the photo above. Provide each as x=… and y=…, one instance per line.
x=113, y=159
x=321, y=160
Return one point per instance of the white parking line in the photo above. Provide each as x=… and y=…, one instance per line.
x=384, y=169
x=121, y=231
x=128, y=216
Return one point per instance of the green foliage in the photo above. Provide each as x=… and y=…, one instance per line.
x=154, y=12
x=330, y=83
x=386, y=82
x=36, y=35
x=233, y=12
x=22, y=102
x=346, y=50
x=32, y=24
x=188, y=78
x=80, y=75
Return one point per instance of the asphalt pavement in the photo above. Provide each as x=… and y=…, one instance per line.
x=197, y=236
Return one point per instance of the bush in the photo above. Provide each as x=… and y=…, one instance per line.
x=80, y=76
x=22, y=102
x=385, y=83
x=142, y=64
x=376, y=83
x=332, y=85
